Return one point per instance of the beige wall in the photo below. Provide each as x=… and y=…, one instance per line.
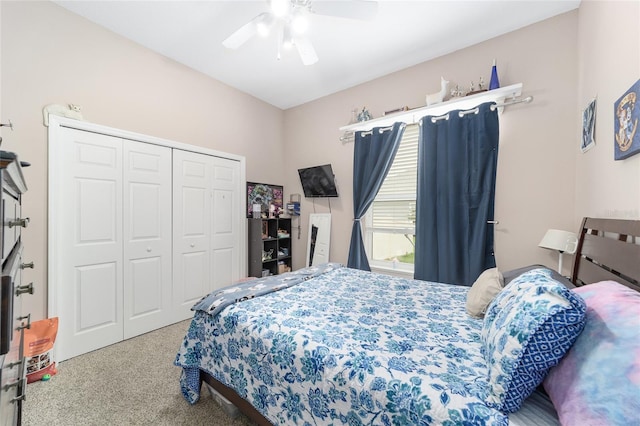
x=50, y=55
x=538, y=141
x=609, y=64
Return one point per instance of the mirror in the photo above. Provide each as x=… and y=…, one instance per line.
x=319, y=237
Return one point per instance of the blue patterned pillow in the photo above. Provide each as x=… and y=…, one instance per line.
x=527, y=329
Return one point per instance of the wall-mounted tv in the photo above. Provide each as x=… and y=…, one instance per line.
x=318, y=181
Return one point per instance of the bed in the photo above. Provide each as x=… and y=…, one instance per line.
x=333, y=345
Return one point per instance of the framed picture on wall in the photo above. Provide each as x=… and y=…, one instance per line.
x=269, y=197
x=588, y=126
x=626, y=112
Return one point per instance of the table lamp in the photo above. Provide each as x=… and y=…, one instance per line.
x=563, y=241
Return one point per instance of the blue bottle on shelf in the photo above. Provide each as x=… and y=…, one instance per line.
x=494, y=83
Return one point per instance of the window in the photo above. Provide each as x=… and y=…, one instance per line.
x=390, y=221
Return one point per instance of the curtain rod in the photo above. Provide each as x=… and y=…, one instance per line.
x=380, y=130
x=475, y=110
x=464, y=102
x=348, y=135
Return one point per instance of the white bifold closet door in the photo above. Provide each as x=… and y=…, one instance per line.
x=205, y=227
x=113, y=249
x=147, y=238
x=89, y=249
x=138, y=233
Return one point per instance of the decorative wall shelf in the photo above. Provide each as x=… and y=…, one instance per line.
x=500, y=95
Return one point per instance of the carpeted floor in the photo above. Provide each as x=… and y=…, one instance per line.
x=130, y=383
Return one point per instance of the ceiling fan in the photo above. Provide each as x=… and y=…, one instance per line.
x=290, y=20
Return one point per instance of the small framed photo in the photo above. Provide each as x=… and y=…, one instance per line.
x=588, y=126
x=268, y=197
x=626, y=112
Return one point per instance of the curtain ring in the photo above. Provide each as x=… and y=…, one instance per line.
x=461, y=114
x=442, y=117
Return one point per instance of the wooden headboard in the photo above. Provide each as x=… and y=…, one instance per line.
x=608, y=249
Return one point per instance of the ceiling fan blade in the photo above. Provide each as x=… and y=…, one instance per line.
x=355, y=9
x=306, y=51
x=280, y=42
x=242, y=34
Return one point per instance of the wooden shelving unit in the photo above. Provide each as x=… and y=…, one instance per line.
x=269, y=246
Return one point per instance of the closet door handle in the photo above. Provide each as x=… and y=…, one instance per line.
x=493, y=222
x=26, y=265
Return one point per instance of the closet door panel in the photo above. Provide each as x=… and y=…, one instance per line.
x=191, y=230
x=97, y=295
x=88, y=258
x=194, y=208
x=222, y=272
x=147, y=237
x=195, y=277
x=225, y=223
x=145, y=293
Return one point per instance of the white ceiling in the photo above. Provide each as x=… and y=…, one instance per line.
x=403, y=33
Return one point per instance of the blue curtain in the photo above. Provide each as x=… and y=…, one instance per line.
x=457, y=160
x=373, y=154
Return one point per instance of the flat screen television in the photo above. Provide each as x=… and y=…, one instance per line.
x=318, y=181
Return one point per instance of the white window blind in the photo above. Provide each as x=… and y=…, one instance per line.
x=394, y=206
x=390, y=222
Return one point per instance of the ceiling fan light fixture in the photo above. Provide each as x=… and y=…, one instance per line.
x=299, y=23
x=287, y=39
x=263, y=24
x=293, y=17
x=280, y=8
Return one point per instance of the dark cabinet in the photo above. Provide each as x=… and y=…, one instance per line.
x=269, y=246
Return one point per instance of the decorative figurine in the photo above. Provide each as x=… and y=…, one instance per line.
x=457, y=92
x=494, y=83
x=481, y=84
x=438, y=97
x=354, y=116
x=364, y=115
x=267, y=255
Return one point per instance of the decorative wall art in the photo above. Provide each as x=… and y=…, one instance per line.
x=626, y=112
x=269, y=197
x=588, y=126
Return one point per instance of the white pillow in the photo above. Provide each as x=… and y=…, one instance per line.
x=482, y=292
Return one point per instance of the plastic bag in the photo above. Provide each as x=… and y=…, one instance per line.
x=38, y=348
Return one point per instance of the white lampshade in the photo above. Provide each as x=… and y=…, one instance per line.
x=563, y=241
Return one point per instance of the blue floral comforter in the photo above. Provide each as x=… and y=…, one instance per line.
x=347, y=347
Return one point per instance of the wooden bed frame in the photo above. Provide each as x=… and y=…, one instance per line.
x=608, y=249
x=232, y=396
